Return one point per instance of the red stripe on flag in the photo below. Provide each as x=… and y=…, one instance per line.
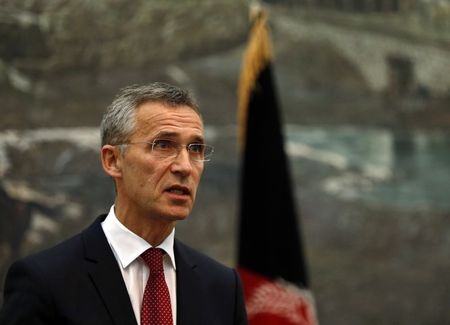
x=271, y=302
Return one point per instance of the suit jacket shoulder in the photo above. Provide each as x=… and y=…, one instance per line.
x=76, y=282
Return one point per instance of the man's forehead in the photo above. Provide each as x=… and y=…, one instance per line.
x=171, y=121
x=156, y=110
x=155, y=105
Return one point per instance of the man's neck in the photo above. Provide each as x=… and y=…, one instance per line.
x=152, y=230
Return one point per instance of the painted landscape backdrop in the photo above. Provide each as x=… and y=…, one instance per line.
x=364, y=88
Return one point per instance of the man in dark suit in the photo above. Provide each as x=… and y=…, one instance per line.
x=153, y=147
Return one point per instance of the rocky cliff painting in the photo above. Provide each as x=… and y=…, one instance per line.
x=364, y=88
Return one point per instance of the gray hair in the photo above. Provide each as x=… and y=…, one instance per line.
x=119, y=120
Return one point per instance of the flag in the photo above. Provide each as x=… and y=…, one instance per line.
x=271, y=262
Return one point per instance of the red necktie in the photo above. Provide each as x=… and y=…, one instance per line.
x=156, y=307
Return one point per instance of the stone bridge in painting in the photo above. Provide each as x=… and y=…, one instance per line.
x=388, y=60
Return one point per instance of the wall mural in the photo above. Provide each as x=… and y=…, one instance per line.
x=365, y=93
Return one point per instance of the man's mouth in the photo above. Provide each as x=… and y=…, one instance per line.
x=179, y=190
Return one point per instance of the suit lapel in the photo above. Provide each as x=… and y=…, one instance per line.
x=188, y=288
x=106, y=276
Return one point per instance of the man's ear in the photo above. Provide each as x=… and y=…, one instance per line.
x=112, y=160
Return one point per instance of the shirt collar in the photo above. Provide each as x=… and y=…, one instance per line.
x=129, y=246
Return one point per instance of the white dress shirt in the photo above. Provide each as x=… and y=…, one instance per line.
x=127, y=248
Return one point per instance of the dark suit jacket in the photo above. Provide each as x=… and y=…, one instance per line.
x=79, y=282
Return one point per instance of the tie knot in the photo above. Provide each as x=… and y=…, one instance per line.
x=153, y=257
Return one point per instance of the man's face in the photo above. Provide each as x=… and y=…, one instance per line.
x=155, y=187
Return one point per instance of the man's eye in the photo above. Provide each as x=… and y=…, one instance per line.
x=196, y=148
x=162, y=144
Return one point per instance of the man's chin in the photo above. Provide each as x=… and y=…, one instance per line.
x=178, y=217
x=178, y=214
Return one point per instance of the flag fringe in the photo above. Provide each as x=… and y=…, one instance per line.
x=256, y=56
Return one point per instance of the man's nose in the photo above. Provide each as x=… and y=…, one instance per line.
x=182, y=163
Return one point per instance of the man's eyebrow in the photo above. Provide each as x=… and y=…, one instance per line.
x=169, y=134
x=199, y=139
